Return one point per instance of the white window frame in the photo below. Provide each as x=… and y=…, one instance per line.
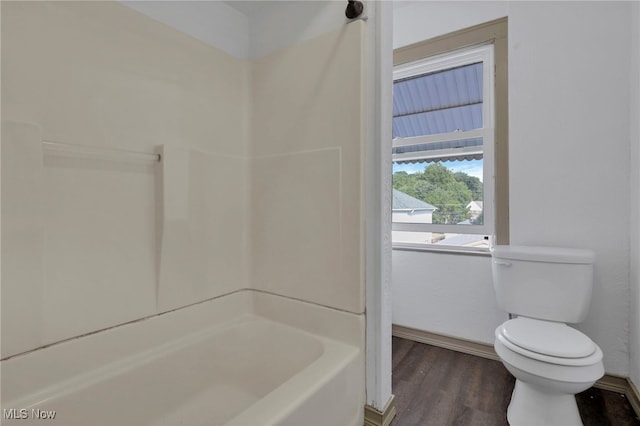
x=485, y=54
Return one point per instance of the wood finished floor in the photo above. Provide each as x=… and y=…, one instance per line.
x=440, y=387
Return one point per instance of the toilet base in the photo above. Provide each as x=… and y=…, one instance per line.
x=530, y=406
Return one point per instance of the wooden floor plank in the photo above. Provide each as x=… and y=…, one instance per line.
x=441, y=387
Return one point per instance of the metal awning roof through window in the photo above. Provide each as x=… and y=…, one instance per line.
x=438, y=103
x=461, y=149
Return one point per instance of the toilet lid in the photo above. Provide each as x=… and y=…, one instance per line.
x=547, y=338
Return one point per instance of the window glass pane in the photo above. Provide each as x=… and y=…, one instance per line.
x=441, y=192
x=438, y=102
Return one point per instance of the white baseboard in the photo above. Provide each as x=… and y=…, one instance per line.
x=448, y=342
x=633, y=395
x=373, y=417
x=610, y=382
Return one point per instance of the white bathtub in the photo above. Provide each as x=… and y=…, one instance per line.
x=248, y=358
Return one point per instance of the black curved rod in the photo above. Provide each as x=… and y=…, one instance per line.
x=354, y=9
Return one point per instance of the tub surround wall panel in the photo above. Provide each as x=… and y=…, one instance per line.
x=343, y=326
x=22, y=237
x=306, y=179
x=99, y=244
x=100, y=74
x=305, y=81
x=200, y=258
x=295, y=223
x=559, y=114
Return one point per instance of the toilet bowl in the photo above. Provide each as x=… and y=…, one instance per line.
x=551, y=363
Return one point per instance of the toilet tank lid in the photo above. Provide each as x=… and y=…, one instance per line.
x=544, y=254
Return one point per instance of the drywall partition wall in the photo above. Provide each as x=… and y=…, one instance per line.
x=99, y=74
x=377, y=205
x=308, y=120
x=560, y=113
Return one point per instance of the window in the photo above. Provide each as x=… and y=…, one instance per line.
x=445, y=174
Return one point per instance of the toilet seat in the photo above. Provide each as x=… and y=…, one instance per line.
x=551, y=342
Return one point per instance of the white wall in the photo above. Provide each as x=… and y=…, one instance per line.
x=560, y=112
x=635, y=197
x=447, y=294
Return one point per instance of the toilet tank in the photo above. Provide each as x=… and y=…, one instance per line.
x=548, y=283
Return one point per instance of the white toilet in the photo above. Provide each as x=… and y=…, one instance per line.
x=545, y=288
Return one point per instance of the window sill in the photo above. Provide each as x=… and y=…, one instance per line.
x=467, y=251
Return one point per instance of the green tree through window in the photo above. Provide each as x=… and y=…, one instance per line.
x=448, y=191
